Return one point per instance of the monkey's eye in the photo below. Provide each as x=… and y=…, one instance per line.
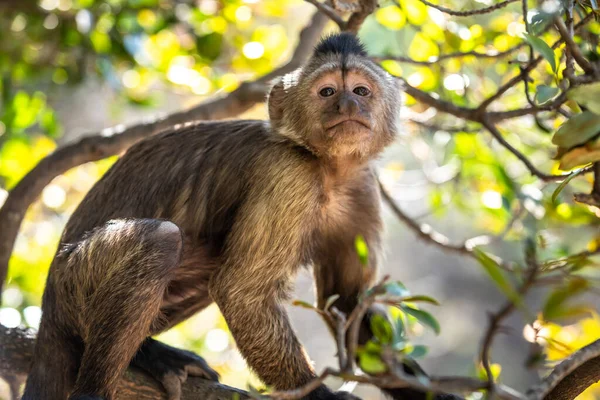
x=362, y=91
x=327, y=91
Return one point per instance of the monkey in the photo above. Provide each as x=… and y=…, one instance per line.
x=224, y=212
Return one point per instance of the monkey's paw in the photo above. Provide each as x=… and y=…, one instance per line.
x=171, y=366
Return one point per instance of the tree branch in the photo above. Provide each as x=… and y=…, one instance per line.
x=479, y=11
x=497, y=318
x=329, y=12
x=116, y=140
x=449, y=56
x=571, y=377
x=16, y=351
x=572, y=47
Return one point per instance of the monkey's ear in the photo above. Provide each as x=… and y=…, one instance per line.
x=276, y=99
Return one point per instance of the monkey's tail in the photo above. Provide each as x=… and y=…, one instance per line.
x=55, y=364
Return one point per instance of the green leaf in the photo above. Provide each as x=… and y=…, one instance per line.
x=577, y=130
x=382, y=329
x=541, y=47
x=303, y=304
x=396, y=288
x=331, y=300
x=495, y=272
x=399, y=329
x=554, y=307
x=418, y=351
x=423, y=317
x=588, y=96
x=421, y=298
x=362, y=249
x=563, y=184
x=371, y=363
x=495, y=368
x=545, y=93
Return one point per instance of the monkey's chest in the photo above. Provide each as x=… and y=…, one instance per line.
x=335, y=212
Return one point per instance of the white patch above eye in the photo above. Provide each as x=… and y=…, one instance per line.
x=291, y=79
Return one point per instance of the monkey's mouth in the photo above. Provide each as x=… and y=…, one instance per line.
x=348, y=123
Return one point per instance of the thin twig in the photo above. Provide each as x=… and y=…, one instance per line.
x=436, y=59
x=497, y=318
x=532, y=168
x=529, y=67
x=479, y=11
x=340, y=336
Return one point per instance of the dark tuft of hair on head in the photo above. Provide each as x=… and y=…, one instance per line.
x=340, y=43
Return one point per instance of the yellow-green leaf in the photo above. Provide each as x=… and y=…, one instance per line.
x=391, y=17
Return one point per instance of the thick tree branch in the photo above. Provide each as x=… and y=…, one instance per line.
x=329, y=12
x=571, y=377
x=16, y=350
x=116, y=140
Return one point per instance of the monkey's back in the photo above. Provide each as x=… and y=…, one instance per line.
x=202, y=178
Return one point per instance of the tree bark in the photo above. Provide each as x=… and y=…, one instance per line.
x=16, y=350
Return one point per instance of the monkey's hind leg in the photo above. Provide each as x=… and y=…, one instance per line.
x=129, y=264
x=171, y=366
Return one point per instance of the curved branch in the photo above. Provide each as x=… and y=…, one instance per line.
x=571, y=377
x=479, y=11
x=116, y=140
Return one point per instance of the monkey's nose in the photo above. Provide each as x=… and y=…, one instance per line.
x=347, y=105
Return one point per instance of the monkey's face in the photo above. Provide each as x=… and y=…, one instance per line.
x=342, y=105
x=338, y=105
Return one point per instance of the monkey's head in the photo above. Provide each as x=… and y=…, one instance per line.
x=339, y=104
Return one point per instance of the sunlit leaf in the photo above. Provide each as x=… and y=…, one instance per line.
x=577, y=130
x=579, y=156
x=391, y=17
x=422, y=48
x=371, y=363
x=382, y=329
x=362, y=249
x=495, y=368
x=588, y=96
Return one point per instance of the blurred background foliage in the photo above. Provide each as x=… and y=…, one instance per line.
x=158, y=55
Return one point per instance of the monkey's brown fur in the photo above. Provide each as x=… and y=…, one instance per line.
x=224, y=212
